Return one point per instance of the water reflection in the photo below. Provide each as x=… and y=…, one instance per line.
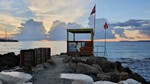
x=56, y=46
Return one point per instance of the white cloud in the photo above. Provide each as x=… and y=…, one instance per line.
x=51, y=10
x=9, y=23
x=31, y=30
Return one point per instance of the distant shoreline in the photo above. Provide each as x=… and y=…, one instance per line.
x=137, y=41
x=8, y=40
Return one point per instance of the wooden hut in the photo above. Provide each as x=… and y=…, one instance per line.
x=83, y=47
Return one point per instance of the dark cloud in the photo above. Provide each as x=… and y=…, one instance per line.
x=132, y=23
x=58, y=30
x=31, y=30
x=143, y=26
x=99, y=28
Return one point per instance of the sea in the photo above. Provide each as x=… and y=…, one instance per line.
x=135, y=55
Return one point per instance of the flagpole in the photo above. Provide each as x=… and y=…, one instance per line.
x=94, y=22
x=105, y=44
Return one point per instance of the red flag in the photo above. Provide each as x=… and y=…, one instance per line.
x=94, y=10
x=105, y=25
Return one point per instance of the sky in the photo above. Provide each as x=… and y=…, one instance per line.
x=49, y=19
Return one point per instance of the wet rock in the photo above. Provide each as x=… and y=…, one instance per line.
x=127, y=69
x=119, y=66
x=137, y=77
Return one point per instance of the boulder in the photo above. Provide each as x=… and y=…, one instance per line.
x=85, y=78
x=87, y=69
x=76, y=60
x=67, y=59
x=106, y=65
x=104, y=82
x=129, y=81
x=119, y=66
x=137, y=77
x=94, y=60
x=84, y=68
x=104, y=77
x=97, y=69
x=78, y=82
x=113, y=76
x=73, y=66
x=72, y=59
x=8, y=61
x=116, y=77
x=127, y=69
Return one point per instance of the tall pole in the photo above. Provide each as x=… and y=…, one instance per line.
x=94, y=22
x=105, y=44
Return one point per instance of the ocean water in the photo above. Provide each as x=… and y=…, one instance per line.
x=135, y=55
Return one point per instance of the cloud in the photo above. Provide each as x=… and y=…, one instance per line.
x=9, y=23
x=31, y=30
x=135, y=29
x=15, y=8
x=59, y=30
x=99, y=28
x=63, y=10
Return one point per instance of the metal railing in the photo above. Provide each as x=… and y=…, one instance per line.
x=97, y=50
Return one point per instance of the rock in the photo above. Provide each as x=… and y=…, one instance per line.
x=67, y=59
x=116, y=77
x=72, y=59
x=51, y=61
x=87, y=79
x=8, y=60
x=87, y=69
x=14, y=77
x=73, y=66
x=106, y=65
x=113, y=76
x=84, y=68
x=78, y=82
x=94, y=76
x=1, y=82
x=129, y=81
x=119, y=66
x=137, y=77
x=127, y=69
x=97, y=69
x=63, y=53
x=94, y=60
x=76, y=60
x=104, y=77
x=104, y=82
